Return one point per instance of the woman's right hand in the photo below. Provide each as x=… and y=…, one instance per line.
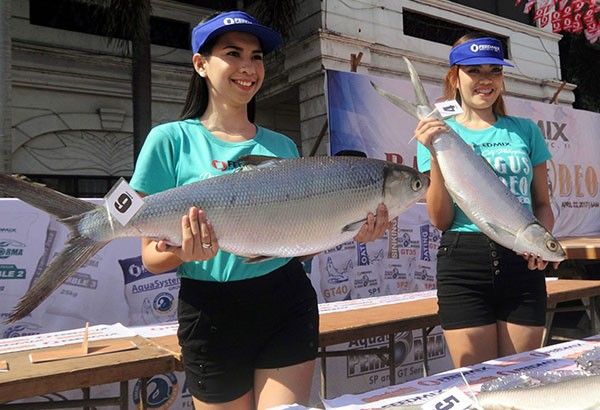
x=428, y=128
x=198, y=238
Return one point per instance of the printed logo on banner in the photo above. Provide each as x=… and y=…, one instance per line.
x=435, y=347
x=408, y=366
x=335, y=275
x=163, y=302
x=554, y=133
x=407, y=245
x=424, y=229
x=363, y=255
x=82, y=280
x=574, y=180
x=21, y=329
x=10, y=247
x=393, y=239
x=162, y=391
x=10, y=271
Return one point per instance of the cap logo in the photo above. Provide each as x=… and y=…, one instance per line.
x=237, y=20
x=484, y=47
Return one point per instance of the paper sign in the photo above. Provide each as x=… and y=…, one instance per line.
x=123, y=202
x=452, y=399
x=448, y=108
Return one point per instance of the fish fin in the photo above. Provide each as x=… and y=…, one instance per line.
x=400, y=102
x=44, y=198
x=258, y=258
x=76, y=253
x=78, y=249
x=354, y=226
x=417, y=84
x=498, y=229
x=257, y=161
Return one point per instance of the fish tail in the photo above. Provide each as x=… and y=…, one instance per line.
x=78, y=249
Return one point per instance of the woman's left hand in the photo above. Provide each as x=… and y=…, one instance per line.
x=375, y=226
x=535, y=262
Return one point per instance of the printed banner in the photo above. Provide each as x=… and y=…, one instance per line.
x=360, y=119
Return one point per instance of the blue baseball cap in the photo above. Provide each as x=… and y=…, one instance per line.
x=234, y=21
x=485, y=50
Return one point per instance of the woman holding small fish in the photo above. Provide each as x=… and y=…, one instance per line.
x=248, y=331
x=492, y=301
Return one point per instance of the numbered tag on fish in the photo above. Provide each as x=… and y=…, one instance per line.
x=123, y=202
x=448, y=108
x=452, y=399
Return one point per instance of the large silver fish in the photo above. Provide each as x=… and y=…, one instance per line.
x=581, y=393
x=277, y=208
x=477, y=190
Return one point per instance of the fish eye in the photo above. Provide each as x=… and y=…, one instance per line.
x=551, y=245
x=416, y=184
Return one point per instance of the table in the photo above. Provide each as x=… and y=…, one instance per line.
x=25, y=379
x=341, y=327
x=581, y=247
x=162, y=354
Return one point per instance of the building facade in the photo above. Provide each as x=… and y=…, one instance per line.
x=66, y=102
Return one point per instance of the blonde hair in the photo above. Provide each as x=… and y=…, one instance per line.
x=451, y=91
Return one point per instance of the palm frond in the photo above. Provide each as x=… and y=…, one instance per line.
x=278, y=14
x=123, y=21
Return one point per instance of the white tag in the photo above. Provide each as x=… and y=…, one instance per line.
x=123, y=202
x=448, y=108
x=451, y=399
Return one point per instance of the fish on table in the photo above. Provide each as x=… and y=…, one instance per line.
x=272, y=208
x=581, y=393
x=476, y=189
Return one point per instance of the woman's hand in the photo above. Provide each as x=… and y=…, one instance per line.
x=535, y=262
x=428, y=128
x=375, y=226
x=198, y=239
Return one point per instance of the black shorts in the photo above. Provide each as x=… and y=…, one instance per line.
x=227, y=330
x=480, y=282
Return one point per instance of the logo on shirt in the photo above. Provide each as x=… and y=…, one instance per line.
x=225, y=165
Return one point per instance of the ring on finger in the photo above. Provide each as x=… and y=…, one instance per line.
x=206, y=245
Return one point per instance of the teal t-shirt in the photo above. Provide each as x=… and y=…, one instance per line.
x=182, y=152
x=512, y=146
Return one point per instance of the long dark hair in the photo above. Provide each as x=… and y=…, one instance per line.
x=196, y=100
x=451, y=91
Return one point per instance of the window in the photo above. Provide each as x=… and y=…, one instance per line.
x=441, y=31
x=502, y=8
x=83, y=17
x=77, y=186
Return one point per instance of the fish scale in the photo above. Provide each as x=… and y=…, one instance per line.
x=277, y=208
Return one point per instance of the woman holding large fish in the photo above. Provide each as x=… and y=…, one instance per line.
x=492, y=300
x=248, y=331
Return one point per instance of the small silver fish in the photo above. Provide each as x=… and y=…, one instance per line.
x=477, y=190
x=275, y=208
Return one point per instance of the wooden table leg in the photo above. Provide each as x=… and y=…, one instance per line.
x=323, y=372
x=550, y=309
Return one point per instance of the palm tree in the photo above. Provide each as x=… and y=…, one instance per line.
x=130, y=19
x=124, y=21
x=5, y=62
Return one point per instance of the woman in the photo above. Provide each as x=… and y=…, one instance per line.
x=248, y=332
x=492, y=302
